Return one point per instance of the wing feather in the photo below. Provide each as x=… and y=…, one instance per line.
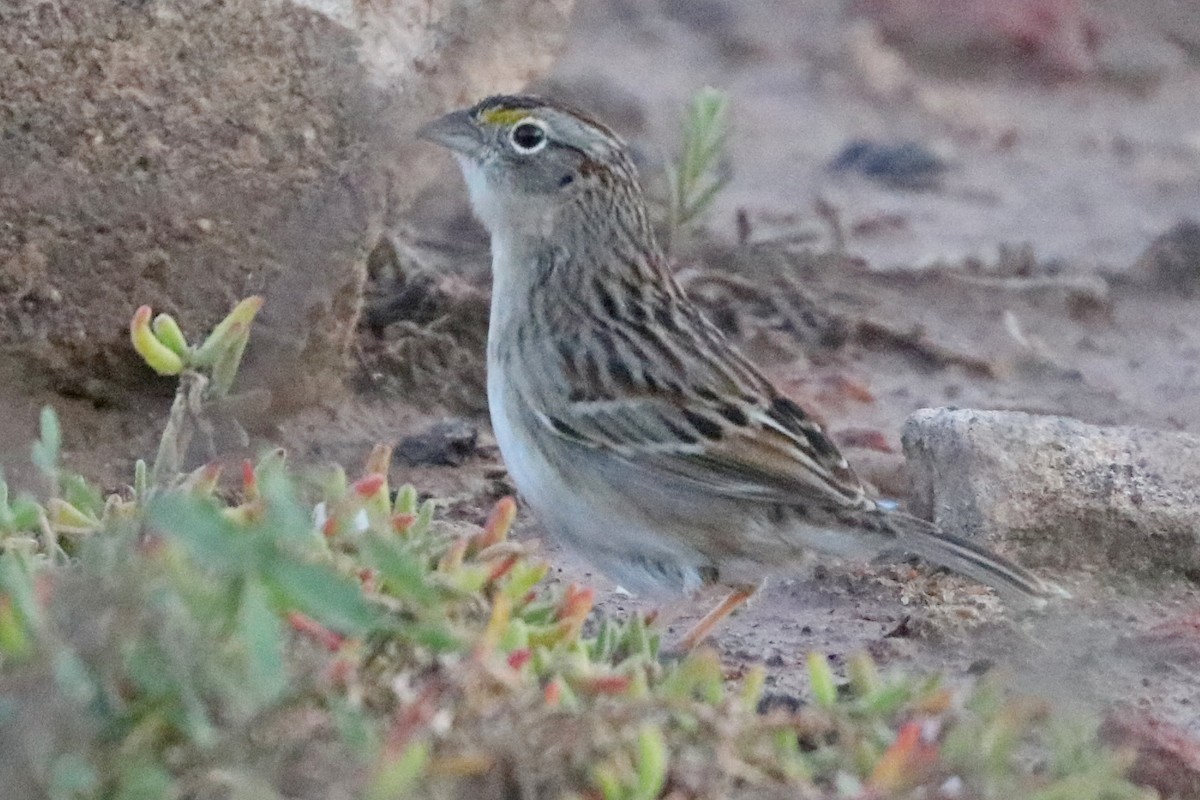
x=651, y=380
x=752, y=443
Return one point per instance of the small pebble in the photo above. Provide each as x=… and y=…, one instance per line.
x=905, y=165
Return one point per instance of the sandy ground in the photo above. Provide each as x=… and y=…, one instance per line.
x=1075, y=177
x=1064, y=182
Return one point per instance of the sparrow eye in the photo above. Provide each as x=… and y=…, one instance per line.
x=528, y=136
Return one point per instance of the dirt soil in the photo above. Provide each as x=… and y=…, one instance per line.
x=1011, y=282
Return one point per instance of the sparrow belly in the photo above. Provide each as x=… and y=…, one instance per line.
x=566, y=486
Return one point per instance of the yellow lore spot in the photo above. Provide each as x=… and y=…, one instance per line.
x=502, y=115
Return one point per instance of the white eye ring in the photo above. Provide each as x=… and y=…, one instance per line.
x=528, y=136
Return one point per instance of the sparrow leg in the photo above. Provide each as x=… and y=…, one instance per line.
x=705, y=626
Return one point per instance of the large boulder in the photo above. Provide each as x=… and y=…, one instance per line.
x=186, y=154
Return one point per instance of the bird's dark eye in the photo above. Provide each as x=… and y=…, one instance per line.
x=528, y=136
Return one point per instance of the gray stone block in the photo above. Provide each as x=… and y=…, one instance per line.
x=1069, y=494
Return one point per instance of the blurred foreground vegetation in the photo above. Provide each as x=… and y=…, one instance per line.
x=310, y=634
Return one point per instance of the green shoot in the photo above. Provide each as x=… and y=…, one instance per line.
x=695, y=177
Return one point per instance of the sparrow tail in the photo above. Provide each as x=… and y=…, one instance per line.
x=971, y=560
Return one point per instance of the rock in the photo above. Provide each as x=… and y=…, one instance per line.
x=1176, y=21
x=1175, y=641
x=903, y=165
x=188, y=154
x=1055, y=36
x=447, y=443
x=1172, y=261
x=1071, y=493
x=1167, y=758
x=1136, y=56
x=777, y=702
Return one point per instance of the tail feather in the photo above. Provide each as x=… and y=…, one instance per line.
x=971, y=560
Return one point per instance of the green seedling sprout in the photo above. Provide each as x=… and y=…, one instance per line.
x=47, y=450
x=17, y=515
x=207, y=373
x=639, y=778
x=752, y=688
x=167, y=331
x=14, y=638
x=821, y=681
x=696, y=176
x=399, y=774
x=158, y=355
x=653, y=760
x=864, y=677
